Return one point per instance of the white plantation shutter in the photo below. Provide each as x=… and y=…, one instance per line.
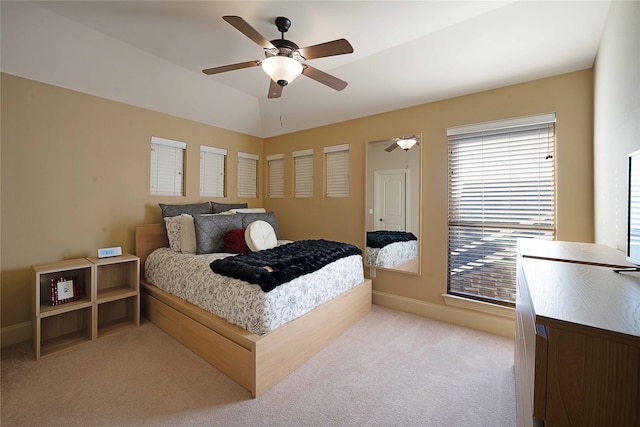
x=501, y=188
x=275, y=164
x=247, y=175
x=337, y=173
x=167, y=167
x=212, y=171
x=303, y=168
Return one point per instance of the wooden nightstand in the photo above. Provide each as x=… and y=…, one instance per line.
x=108, y=301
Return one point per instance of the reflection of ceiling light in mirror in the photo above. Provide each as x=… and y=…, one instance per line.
x=406, y=144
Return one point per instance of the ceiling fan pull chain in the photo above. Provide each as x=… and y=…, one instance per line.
x=281, y=115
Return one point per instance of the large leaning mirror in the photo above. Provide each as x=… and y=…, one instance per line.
x=393, y=204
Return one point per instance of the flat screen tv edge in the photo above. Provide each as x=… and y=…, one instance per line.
x=633, y=211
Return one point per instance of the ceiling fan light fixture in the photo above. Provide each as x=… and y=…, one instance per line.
x=406, y=144
x=281, y=69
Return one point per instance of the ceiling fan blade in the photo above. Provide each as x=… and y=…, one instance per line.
x=391, y=147
x=324, y=78
x=275, y=90
x=336, y=47
x=246, y=29
x=224, y=68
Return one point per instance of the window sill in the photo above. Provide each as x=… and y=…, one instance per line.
x=485, y=307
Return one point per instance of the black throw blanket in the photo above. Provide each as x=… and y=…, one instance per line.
x=272, y=267
x=380, y=239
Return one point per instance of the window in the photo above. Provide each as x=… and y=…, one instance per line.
x=212, y=171
x=247, y=175
x=303, y=173
x=275, y=164
x=337, y=174
x=501, y=188
x=167, y=167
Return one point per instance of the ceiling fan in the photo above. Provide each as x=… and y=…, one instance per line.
x=404, y=142
x=284, y=59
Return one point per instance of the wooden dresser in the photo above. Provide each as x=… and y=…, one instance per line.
x=577, y=350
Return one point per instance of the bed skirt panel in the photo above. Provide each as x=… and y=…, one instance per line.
x=256, y=362
x=232, y=359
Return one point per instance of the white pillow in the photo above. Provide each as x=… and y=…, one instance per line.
x=172, y=224
x=260, y=235
x=187, y=234
x=247, y=210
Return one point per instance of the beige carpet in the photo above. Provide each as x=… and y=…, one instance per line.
x=391, y=369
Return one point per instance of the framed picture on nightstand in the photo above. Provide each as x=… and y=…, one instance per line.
x=64, y=290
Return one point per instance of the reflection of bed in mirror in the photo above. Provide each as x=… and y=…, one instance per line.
x=391, y=249
x=393, y=204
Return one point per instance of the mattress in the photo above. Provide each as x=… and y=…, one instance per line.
x=392, y=255
x=190, y=277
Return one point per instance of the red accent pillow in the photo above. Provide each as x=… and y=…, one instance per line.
x=234, y=242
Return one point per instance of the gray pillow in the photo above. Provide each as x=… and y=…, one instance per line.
x=270, y=217
x=223, y=207
x=191, y=209
x=210, y=230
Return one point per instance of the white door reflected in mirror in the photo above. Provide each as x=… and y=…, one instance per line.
x=390, y=199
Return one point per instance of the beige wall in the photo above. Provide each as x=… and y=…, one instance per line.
x=569, y=95
x=75, y=177
x=616, y=119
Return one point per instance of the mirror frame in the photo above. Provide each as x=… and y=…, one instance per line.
x=414, y=190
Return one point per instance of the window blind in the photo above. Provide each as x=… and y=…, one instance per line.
x=337, y=173
x=303, y=173
x=167, y=167
x=275, y=164
x=212, y=171
x=501, y=188
x=247, y=175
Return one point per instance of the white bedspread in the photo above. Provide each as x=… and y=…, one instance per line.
x=190, y=278
x=392, y=254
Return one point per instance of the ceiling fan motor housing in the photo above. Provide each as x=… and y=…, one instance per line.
x=284, y=48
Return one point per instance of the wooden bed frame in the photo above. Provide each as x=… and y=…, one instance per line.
x=256, y=362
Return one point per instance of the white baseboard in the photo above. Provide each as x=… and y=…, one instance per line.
x=15, y=334
x=497, y=325
x=494, y=324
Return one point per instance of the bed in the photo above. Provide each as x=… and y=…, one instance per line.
x=389, y=249
x=257, y=361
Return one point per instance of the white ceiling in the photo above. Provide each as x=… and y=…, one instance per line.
x=151, y=53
